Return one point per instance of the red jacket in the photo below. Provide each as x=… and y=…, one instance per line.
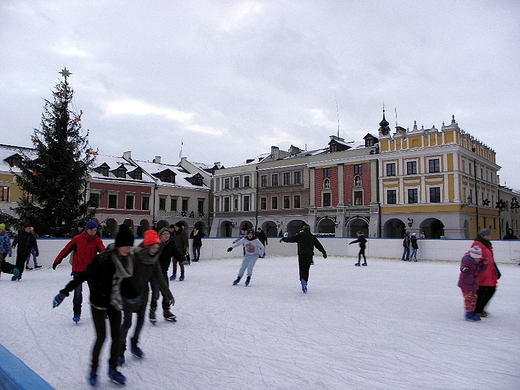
x=85, y=248
x=489, y=276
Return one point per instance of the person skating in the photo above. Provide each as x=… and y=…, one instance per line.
x=306, y=243
x=33, y=255
x=197, y=235
x=414, y=244
x=146, y=267
x=180, y=237
x=471, y=265
x=406, y=247
x=167, y=251
x=488, y=279
x=105, y=275
x=5, y=244
x=84, y=247
x=253, y=249
x=362, y=246
x=262, y=237
x=26, y=242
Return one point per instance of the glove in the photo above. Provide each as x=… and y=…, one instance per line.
x=16, y=272
x=171, y=302
x=465, y=269
x=485, y=261
x=229, y=249
x=58, y=299
x=324, y=255
x=54, y=265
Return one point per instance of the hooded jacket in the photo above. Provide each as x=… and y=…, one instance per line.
x=85, y=248
x=489, y=277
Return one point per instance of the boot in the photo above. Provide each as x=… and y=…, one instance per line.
x=248, y=280
x=470, y=316
x=151, y=315
x=116, y=377
x=237, y=280
x=92, y=378
x=169, y=316
x=135, y=350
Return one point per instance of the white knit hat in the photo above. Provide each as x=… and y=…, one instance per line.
x=475, y=252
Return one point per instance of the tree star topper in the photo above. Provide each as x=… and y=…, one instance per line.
x=65, y=73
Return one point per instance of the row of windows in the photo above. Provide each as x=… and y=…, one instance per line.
x=288, y=178
x=145, y=202
x=434, y=166
x=413, y=195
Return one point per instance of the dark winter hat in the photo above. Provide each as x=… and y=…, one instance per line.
x=164, y=229
x=179, y=225
x=91, y=225
x=124, y=237
x=250, y=231
x=81, y=224
x=171, y=226
x=259, y=229
x=484, y=232
x=26, y=225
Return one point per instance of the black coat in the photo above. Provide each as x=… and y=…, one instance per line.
x=99, y=275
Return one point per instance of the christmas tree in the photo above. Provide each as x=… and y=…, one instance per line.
x=54, y=179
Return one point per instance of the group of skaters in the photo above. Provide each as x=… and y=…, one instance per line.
x=120, y=278
x=26, y=246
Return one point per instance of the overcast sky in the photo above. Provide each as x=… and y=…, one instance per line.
x=228, y=79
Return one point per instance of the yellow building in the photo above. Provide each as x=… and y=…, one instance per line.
x=442, y=183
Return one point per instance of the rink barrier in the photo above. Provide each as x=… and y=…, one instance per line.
x=15, y=375
x=505, y=252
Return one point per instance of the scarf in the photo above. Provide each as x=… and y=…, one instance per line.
x=122, y=271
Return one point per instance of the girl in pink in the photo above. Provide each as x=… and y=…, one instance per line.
x=470, y=266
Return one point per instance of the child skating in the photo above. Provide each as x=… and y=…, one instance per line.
x=253, y=249
x=470, y=266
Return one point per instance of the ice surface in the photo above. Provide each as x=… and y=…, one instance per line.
x=391, y=325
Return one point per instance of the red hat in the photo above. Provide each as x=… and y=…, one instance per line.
x=150, y=238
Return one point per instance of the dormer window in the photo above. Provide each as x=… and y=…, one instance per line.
x=136, y=174
x=120, y=172
x=102, y=169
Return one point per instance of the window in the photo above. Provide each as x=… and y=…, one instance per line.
x=274, y=203
x=326, y=172
x=413, y=196
x=162, y=203
x=357, y=169
x=390, y=169
x=263, y=203
x=4, y=194
x=263, y=181
x=246, y=202
x=287, y=179
x=200, y=207
x=94, y=199
x=297, y=177
x=327, y=199
x=236, y=182
x=297, y=202
x=411, y=167
x=434, y=165
x=286, y=202
x=173, y=204
x=246, y=181
x=235, y=203
x=391, y=196
x=226, y=183
x=435, y=194
x=185, y=204
x=274, y=179
x=145, y=203
x=358, y=198
x=129, y=205
x=326, y=183
x=226, y=204
x=112, y=201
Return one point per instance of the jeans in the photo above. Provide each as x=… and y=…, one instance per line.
x=114, y=319
x=78, y=297
x=155, y=294
x=127, y=324
x=196, y=253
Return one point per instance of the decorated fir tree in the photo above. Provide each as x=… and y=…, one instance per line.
x=54, y=179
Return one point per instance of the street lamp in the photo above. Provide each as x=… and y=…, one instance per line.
x=410, y=222
x=501, y=206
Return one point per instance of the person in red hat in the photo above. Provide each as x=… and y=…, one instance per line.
x=146, y=267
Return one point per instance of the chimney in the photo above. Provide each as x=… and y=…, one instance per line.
x=157, y=159
x=127, y=155
x=275, y=152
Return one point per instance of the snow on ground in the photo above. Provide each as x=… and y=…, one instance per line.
x=391, y=325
